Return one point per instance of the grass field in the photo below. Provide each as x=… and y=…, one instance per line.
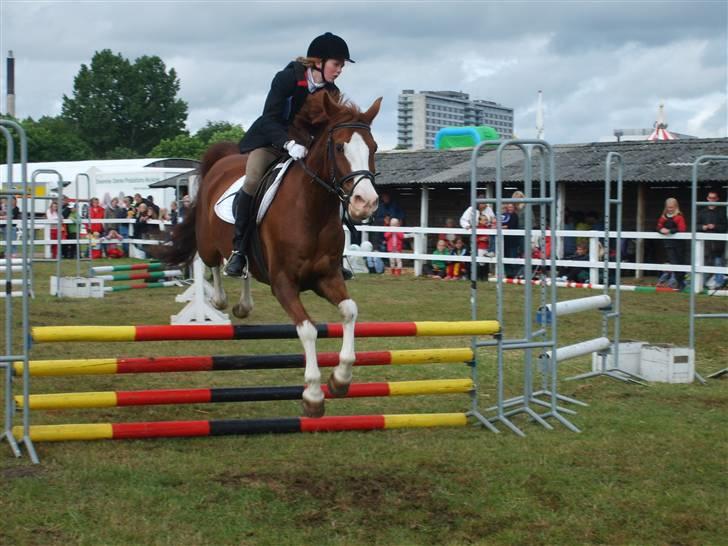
x=650, y=466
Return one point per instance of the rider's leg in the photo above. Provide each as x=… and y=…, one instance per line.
x=258, y=161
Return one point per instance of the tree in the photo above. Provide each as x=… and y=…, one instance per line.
x=118, y=104
x=52, y=139
x=183, y=146
x=234, y=134
x=211, y=127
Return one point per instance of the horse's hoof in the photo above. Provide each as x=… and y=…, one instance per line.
x=241, y=311
x=313, y=409
x=220, y=305
x=336, y=388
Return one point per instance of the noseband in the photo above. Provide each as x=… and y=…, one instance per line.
x=336, y=184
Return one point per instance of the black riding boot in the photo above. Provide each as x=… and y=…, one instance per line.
x=237, y=263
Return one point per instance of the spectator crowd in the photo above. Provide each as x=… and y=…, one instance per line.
x=96, y=226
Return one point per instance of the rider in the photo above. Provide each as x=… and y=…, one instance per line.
x=267, y=139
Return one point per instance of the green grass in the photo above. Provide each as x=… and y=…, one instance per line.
x=648, y=468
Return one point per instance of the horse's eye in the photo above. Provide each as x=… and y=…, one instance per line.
x=339, y=147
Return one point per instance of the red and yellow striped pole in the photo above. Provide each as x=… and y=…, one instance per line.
x=103, y=366
x=170, y=429
x=235, y=394
x=42, y=334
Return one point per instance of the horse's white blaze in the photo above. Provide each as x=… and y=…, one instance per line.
x=312, y=376
x=349, y=312
x=364, y=197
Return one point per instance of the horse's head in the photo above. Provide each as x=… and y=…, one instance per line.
x=350, y=149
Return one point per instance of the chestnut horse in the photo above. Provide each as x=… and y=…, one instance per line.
x=301, y=236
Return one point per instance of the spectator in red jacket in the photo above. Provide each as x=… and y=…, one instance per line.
x=395, y=243
x=96, y=212
x=671, y=222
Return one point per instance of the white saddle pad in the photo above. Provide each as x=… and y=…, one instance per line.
x=224, y=206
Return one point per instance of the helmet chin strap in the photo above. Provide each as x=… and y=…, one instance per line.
x=323, y=65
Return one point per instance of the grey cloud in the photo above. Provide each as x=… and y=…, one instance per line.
x=601, y=65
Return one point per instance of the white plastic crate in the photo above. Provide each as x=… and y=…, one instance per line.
x=629, y=358
x=78, y=287
x=667, y=364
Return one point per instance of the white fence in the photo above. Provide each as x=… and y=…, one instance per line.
x=419, y=236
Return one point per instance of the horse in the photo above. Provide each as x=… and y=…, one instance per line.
x=301, y=236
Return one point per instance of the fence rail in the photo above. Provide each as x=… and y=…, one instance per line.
x=419, y=235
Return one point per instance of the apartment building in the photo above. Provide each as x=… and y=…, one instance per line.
x=421, y=115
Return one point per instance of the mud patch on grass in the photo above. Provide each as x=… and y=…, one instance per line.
x=428, y=504
x=20, y=472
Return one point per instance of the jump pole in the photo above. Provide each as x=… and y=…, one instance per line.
x=138, y=276
x=141, y=286
x=226, y=427
x=43, y=334
x=153, y=266
x=111, y=399
x=164, y=364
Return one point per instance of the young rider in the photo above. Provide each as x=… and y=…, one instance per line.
x=267, y=139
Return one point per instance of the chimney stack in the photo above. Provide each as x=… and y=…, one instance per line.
x=11, y=84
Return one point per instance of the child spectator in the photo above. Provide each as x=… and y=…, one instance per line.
x=374, y=265
x=439, y=267
x=52, y=214
x=482, y=242
x=96, y=212
x=449, y=237
x=670, y=222
x=394, y=241
x=457, y=270
x=577, y=274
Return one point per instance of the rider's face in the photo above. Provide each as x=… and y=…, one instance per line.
x=332, y=69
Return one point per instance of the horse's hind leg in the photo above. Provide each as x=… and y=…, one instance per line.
x=334, y=290
x=289, y=297
x=245, y=305
x=219, y=299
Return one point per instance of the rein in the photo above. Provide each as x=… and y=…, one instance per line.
x=336, y=185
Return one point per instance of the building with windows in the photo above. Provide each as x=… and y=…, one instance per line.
x=421, y=115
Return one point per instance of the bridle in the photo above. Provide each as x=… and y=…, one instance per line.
x=336, y=184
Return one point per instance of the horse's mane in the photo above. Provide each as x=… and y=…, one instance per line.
x=312, y=114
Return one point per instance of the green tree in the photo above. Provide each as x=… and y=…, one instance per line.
x=118, y=104
x=52, y=139
x=182, y=146
x=234, y=133
x=211, y=127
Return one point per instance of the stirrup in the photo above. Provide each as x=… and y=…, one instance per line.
x=244, y=271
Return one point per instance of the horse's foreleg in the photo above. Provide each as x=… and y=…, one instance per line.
x=219, y=299
x=245, y=305
x=289, y=297
x=340, y=378
x=313, y=396
x=334, y=290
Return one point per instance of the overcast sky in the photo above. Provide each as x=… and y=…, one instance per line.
x=601, y=65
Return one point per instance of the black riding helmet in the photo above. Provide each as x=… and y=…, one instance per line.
x=329, y=46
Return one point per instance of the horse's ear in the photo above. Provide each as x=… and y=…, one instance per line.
x=330, y=107
x=368, y=116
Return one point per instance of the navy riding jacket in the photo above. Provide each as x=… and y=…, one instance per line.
x=288, y=92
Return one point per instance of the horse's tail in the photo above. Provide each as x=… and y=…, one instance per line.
x=184, y=239
x=183, y=245
x=214, y=154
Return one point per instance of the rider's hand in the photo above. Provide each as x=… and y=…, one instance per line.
x=296, y=151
